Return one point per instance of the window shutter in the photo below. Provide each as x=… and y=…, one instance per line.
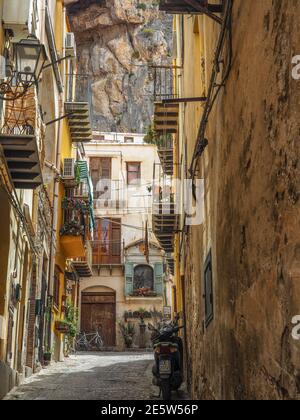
x=128, y=279
x=159, y=277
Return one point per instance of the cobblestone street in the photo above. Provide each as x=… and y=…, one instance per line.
x=96, y=376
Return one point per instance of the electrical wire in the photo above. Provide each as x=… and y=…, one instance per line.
x=123, y=224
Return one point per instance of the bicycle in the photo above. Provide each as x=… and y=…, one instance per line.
x=95, y=340
x=82, y=343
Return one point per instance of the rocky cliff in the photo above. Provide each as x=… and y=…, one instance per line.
x=116, y=42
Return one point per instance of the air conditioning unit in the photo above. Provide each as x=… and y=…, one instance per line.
x=21, y=17
x=69, y=169
x=71, y=44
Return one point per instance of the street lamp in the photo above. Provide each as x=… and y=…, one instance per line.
x=29, y=57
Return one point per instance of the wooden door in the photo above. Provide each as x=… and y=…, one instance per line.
x=100, y=168
x=98, y=313
x=107, y=242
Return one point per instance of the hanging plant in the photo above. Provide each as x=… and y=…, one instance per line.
x=72, y=228
x=75, y=204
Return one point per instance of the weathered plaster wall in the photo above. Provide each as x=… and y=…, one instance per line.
x=251, y=171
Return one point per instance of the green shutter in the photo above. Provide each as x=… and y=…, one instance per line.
x=128, y=279
x=159, y=277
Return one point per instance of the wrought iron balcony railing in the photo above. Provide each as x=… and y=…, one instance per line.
x=82, y=191
x=22, y=138
x=165, y=145
x=83, y=265
x=109, y=194
x=163, y=82
x=192, y=7
x=165, y=214
x=76, y=218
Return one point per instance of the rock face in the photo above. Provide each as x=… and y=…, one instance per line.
x=116, y=42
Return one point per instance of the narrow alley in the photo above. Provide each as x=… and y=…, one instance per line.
x=91, y=376
x=149, y=200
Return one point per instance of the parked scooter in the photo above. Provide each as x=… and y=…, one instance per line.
x=168, y=354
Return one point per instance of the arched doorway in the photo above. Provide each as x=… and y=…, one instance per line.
x=98, y=313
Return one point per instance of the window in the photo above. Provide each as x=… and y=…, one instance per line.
x=208, y=290
x=107, y=245
x=56, y=287
x=133, y=173
x=128, y=139
x=99, y=137
x=100, y=169
x=143, y=277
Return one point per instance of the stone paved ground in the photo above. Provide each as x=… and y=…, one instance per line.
x=96, y=376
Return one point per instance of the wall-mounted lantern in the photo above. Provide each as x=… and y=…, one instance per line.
x=29, y=57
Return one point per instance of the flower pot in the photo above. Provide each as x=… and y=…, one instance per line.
x=47, y=359
x=62, y=327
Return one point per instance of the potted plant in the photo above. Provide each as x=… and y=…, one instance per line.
x=128, y=333
x=47, y=357
x=62, y=326
x=71, y=319
x=142, y=314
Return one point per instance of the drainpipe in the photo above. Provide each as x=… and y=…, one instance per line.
x=54, y=217
x=52, y=167
x=56, y=199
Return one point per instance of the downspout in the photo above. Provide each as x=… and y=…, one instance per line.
x=55, y=201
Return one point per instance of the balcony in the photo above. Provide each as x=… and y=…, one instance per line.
x=189, y=7
x=83, y=265
x=4, y=172
x=166, y=107
x=166, y=118
x=171, y=264
x=22, y=139
x=109, y=195
x=165, y=224
x=78, y=107
x=75, y=229
x=165, y=217
x=82, y=191
x=166, y=153
x=107, y=253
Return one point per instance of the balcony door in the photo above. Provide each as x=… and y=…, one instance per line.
x=100, y=168
x=107, y=242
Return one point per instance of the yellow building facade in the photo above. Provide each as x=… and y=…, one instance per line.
x=35, y=257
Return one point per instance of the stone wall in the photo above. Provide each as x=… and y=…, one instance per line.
x=251, y=171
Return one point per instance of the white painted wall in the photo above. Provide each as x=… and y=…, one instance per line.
x=138, y=200
x=137, y=210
